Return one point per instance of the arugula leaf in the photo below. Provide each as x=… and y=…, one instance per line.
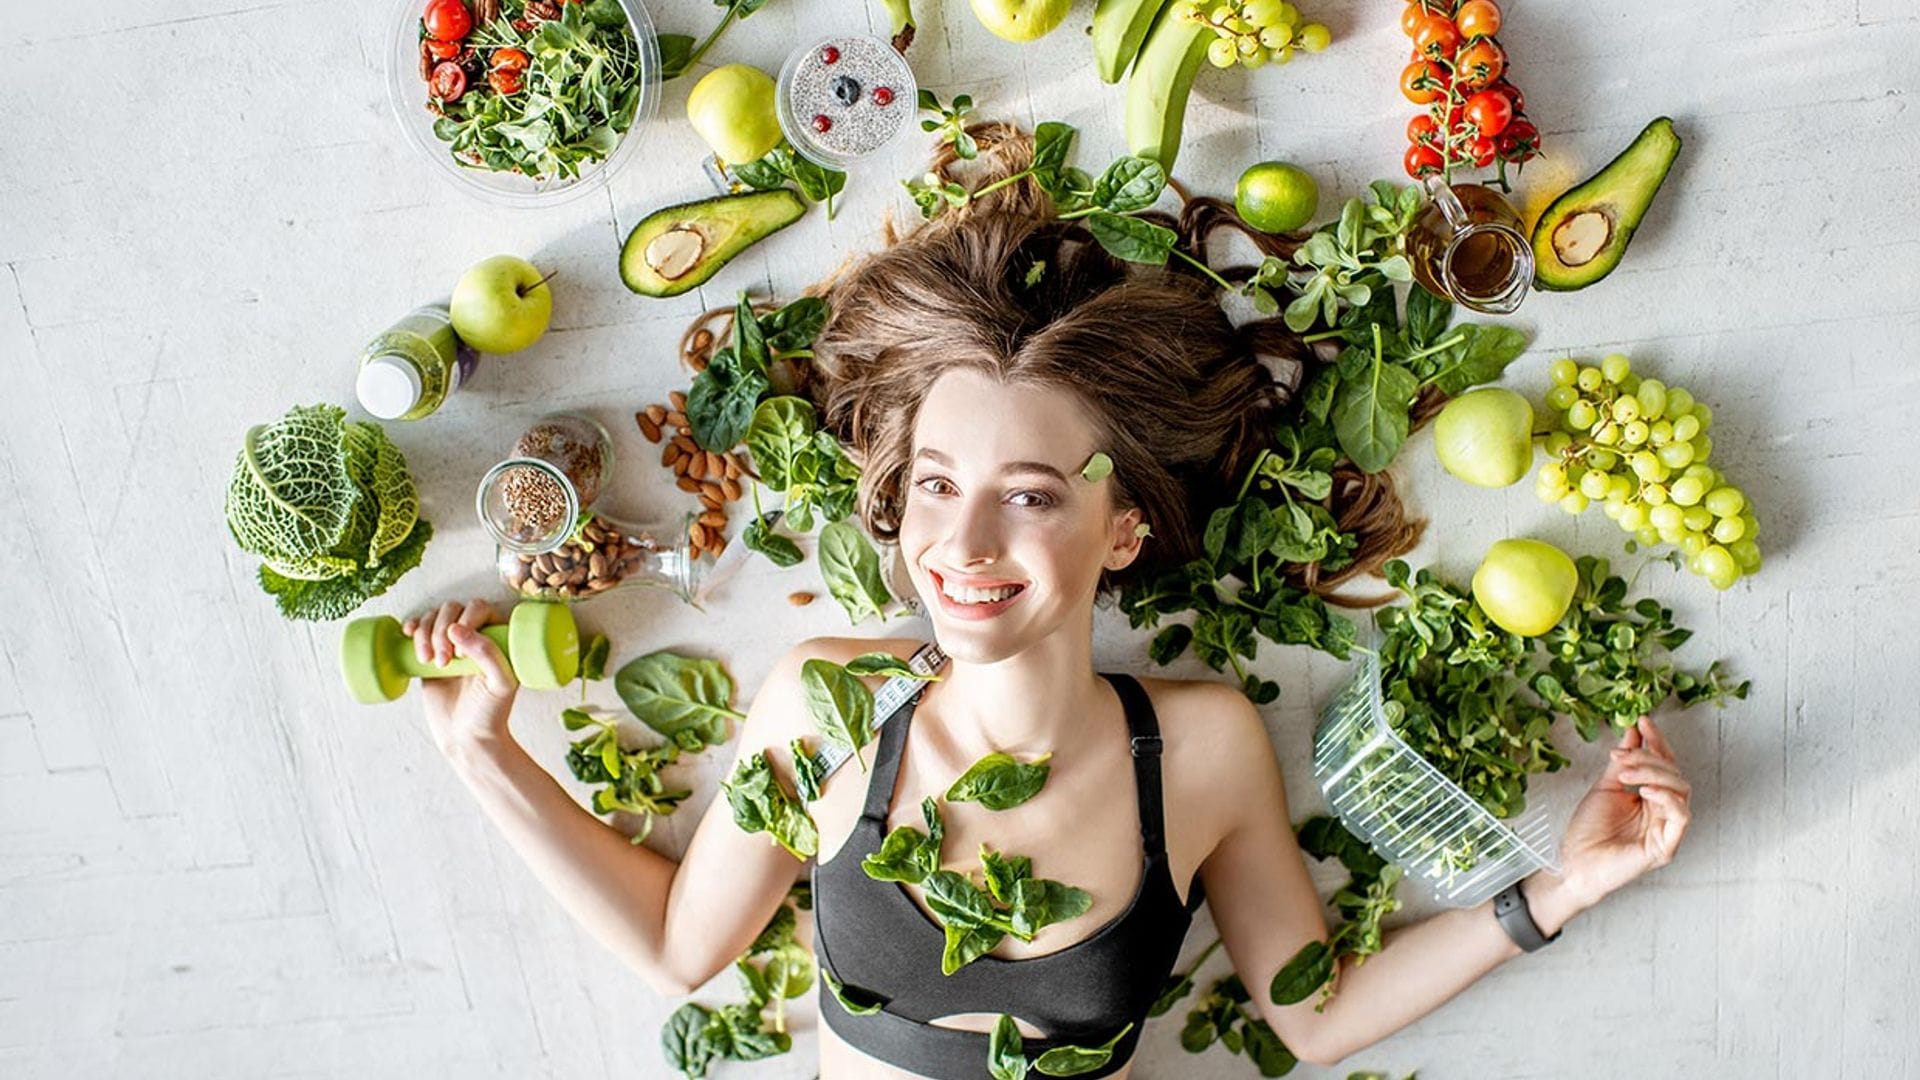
x=998, y=782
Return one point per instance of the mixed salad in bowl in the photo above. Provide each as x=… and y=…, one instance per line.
x=527, y=96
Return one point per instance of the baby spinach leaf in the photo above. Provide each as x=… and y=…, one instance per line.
x=965, y=944
x=1052, y=141
x=760, y=804
x=840, y=704
x=1130, y=184
x=1169, y=643
x=682, y=698
x=856, y=1001
x=1006, y=1051
x=782, y=428
x=721, y=401
x=1427, y=317
x=593, y=659
x=887, y=664
x=1309, y=969
x=689, y=1049
x=1370, y=415
x=795, y=325
x=675, y=52
x=1003, y=872
x=998, y=782
x=1074, y=1060
x=1040, y=902
x=806, y=771
x=956, y=899
x=780, y=550
x=1130, y=238
x=851, y=568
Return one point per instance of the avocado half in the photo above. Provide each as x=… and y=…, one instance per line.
x=1582, y=236
x=679, y=247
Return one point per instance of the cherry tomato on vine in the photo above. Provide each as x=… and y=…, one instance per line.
x=504, y=81
x=1489, y=112
x=1423, y=161
x=1423, y=82
x=1520, y=141
x=510, y=59
x=1437, y=39
x=1481, y=149
x=448, y=20
x=447, y=82
x=1478, y=18
x=1513, y=94
x=1479, y=64
x=1411, y=18
x=1422, y=130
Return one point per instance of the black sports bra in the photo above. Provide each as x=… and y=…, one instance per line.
x=873, y=938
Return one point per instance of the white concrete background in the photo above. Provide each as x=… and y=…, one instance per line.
x=213, y=864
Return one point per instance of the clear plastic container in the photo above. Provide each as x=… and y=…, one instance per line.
x=604, y=554
x=407, y=94
x=1387, y=794
x=837, y=111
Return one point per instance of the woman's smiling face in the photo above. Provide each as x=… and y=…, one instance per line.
x=1004, y=539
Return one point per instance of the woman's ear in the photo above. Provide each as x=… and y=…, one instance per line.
x=1125, y=541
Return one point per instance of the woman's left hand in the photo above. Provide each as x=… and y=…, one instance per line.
x=1618, y=833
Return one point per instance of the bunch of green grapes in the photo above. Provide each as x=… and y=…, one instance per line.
x=1639, y=448
x=1252, y=32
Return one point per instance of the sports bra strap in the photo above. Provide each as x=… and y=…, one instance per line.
x=886, y=759
x=1144, y=727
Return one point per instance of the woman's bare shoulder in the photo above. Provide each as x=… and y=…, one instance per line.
x=1216, y=743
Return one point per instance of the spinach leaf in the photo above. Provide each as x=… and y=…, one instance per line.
x=851, y=568
x=840, y=704
x=780, y=550
x=795, y=325
x=1006, y=1051
x=782, y=428
x=1130, y=238
x=1130, y=184
x=682, y=698
x=1481, y=357
x=1309, y=969
x=1169, y=643
x=721, y=401
x=1052, y=141
x=593, y=660
x=998, y=782
x=1427, y=317
x=676, y=50
x=1003, y=872
x=684, y=1038
x=760, y=804
x=1040, y=902
x=1370, y=415
x=966, y=943
x=1074, y=1060
x=807, y=775
x=887, y=664
x=857, y=1002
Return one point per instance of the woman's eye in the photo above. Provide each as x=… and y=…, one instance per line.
x=929, y=483
x=1041, y=499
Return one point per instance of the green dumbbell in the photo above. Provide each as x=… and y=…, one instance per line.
x=541, y=642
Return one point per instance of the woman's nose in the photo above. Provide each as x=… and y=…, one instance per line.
x=974, y=538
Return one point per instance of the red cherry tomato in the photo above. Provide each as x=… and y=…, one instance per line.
x=1481, y=149
x=1422, y=130
x=448, y=20
x=1520, y=141
x=1411, y=18
x=1513, y=94
x=1489, y=112
x=1479, y=18
x=443, y=50
x=504, y=81
x=1423, y=161
x=1479, y=64
x=1423, y=82
x=1437, y=38
x=448, y=82
x=510, y=59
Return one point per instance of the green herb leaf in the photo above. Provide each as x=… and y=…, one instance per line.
x=1097, y=468
x=1370, y=415
x=688, y=1047
x=1130, y=184
x=888, y=665
x=1074, y=1060
x=1006, y=1051
x=998, y=782
x=683, y=698
x=856, y=1002
x=851, y=568
x=840, y=704
x=721, y=401
x=1309, y=969
x=1130, y=238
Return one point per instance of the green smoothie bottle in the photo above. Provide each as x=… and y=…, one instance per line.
x=414, y=366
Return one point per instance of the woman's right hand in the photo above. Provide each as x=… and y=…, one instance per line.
x=476, y=707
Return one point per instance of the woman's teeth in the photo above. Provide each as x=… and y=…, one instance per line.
x=979, y=596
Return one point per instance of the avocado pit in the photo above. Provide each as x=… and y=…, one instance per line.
x=1582, y=236
x=676, y=251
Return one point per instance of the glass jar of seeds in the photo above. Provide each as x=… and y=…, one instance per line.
x=604, y=554
x=576, y=444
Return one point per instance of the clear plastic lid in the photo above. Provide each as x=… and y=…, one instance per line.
x=845, y=97
x=388, y=386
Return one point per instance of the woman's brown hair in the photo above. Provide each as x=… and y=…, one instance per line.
x=1184, y=401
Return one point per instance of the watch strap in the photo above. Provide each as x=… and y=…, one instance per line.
x=1516, y=918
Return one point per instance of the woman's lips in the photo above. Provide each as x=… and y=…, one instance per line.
x=973, y=612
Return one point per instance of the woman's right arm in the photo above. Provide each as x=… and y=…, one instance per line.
x=675, y=924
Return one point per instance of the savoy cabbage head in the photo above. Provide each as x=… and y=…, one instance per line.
x=330, y=509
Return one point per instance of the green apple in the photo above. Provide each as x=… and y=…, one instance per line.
x=1485, y=437
x=1021, y=20
x=732, y=109
x=501, y=305
x=1524, y=586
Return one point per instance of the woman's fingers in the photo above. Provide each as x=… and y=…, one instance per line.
x=448, y=615
x=1670, y=821
x=479, y=648
x=1644, y=776
x=478, y=614
x=1654, y=738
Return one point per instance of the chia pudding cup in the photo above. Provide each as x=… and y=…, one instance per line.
x=844, y=97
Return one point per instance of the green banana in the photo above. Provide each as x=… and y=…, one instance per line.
x=1118, y=28
x=1162, y=78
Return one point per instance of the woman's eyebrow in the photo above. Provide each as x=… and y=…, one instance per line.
x=1040, y=467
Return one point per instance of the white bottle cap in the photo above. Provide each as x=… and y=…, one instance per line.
x=388, y=387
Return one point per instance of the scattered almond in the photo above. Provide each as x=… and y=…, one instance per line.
x=657, y=413
x=714, y=519
x=679, y=399
x=730, y=488
x=732, y=467
x=799, y=599
x=697, y=465
x=687, y=485
x=709, y=501
x=713, y=490
x=647, y=427
x=669, y=455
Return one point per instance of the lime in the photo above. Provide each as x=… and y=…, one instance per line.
x=1276, y=197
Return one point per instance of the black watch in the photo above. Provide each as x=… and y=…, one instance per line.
x=1510, y=907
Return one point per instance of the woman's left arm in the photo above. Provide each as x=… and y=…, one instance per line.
x=1265, y=909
